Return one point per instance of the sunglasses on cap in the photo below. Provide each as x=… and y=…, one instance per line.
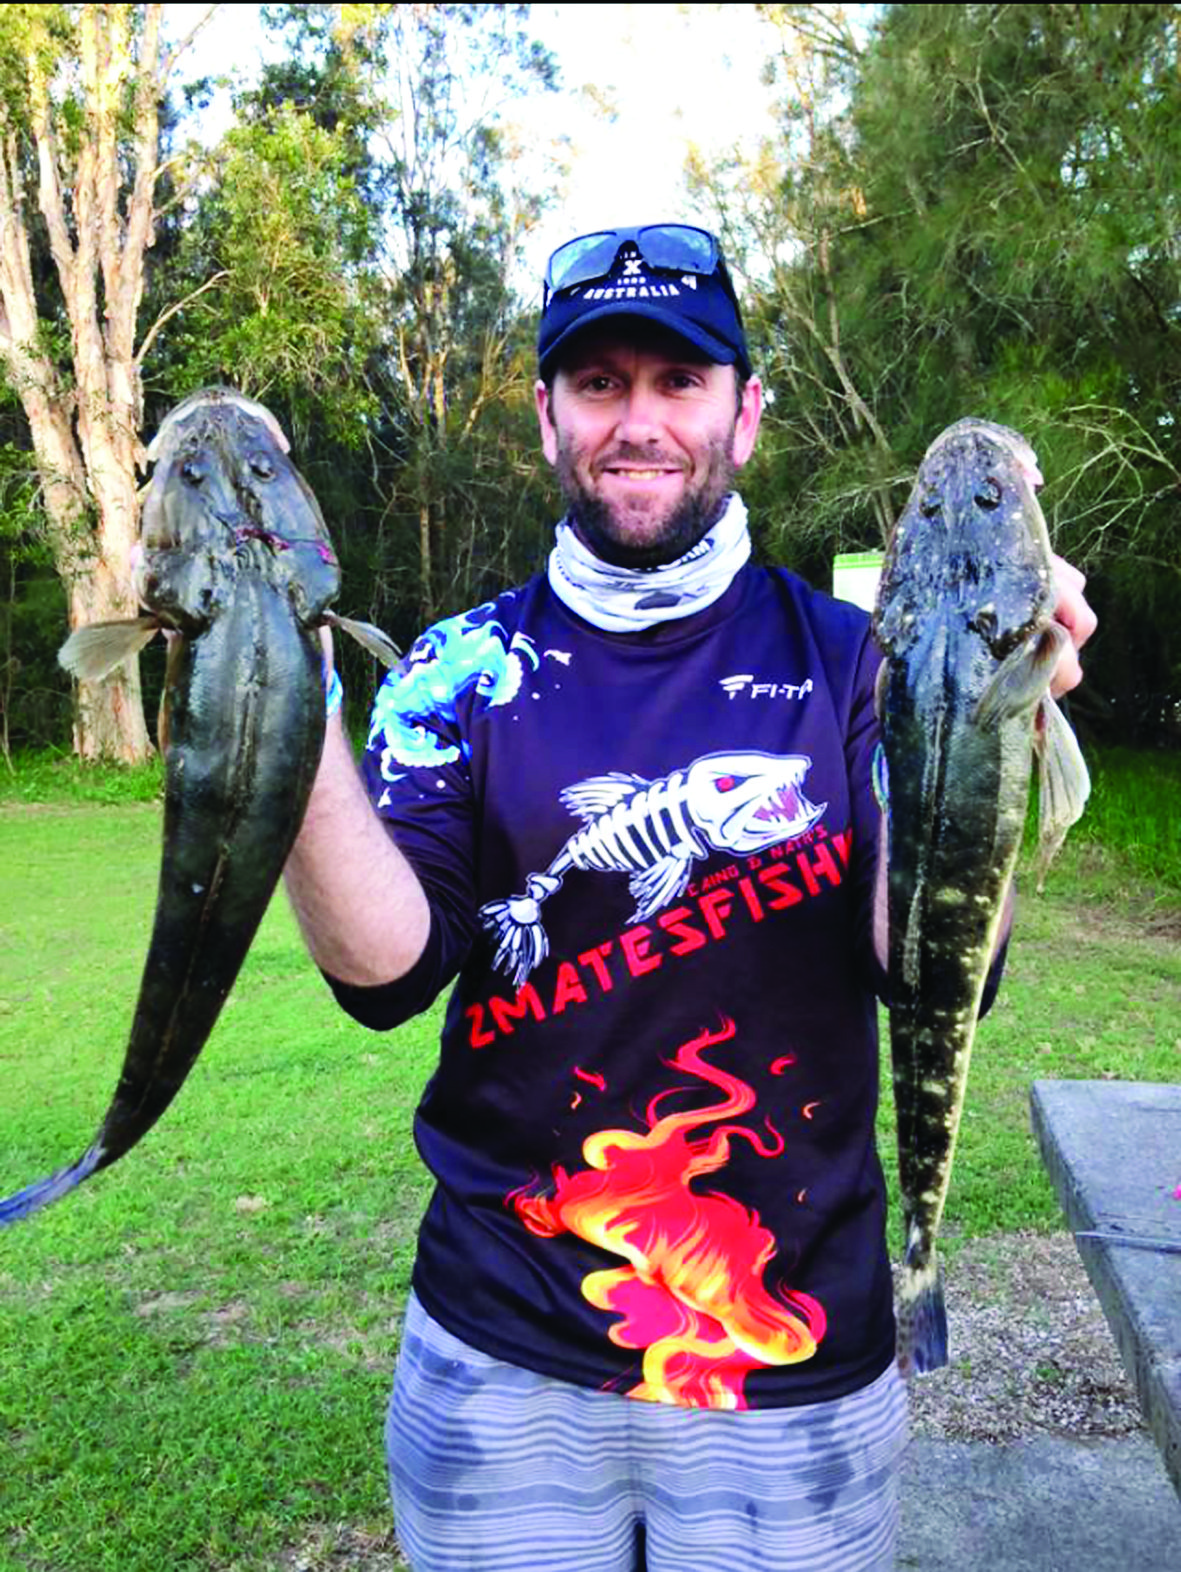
x=681, y=248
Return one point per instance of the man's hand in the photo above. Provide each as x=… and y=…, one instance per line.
x=1076, y=616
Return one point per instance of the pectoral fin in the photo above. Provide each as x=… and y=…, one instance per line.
x=656, y=886
x=93, y=652
x=379, y=644
x=1064, y=783
x=1022, y=678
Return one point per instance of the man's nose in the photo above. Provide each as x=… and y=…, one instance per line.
x=641, y=418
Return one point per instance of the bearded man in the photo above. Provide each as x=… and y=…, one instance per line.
x=628, y=808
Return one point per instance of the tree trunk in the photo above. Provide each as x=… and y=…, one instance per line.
x=100, y=223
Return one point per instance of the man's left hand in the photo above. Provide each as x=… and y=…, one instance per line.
x=1076, y=616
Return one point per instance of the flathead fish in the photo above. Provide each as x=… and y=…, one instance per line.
x=964, y=619
x=235, y=561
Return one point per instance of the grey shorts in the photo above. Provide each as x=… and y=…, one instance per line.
x=498, y=1469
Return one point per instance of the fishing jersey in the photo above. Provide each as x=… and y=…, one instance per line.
x=649, y=859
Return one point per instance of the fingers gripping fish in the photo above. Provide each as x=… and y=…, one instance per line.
x=964, y=618
x=654, y=831
x=235, y=561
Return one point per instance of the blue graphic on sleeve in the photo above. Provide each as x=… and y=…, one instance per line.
x=416, y=704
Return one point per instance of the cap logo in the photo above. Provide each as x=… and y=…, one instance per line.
x=628, y=281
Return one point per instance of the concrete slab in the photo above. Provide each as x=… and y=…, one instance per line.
x=1043, y=1505
x=1113, y=1153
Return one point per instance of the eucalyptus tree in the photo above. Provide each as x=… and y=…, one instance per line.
x=80, y=174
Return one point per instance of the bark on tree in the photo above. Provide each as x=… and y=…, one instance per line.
x=95, y=190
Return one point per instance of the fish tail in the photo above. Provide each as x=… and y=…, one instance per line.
x=34, y=1196
x=922, y=1318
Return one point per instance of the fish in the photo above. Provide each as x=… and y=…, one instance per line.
x=654, y=831
x=234, y=561
x=964, y=619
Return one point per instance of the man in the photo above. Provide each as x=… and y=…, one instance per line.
x=630, y=803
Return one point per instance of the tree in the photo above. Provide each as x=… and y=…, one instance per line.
x=827, y=468
x=376, y=164
x=977, y=206
x=456, y=219
x=79, y=120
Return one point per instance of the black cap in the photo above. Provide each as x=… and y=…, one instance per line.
x=701, y=308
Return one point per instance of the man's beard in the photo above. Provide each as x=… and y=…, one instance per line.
x=691, y=518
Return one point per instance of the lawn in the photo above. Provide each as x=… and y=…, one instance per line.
x=195, y=1347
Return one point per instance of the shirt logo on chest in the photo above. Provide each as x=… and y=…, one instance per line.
x=654, y=830
x=744, y=685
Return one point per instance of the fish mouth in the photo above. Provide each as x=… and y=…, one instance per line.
x=782, y=815
x=787, y=804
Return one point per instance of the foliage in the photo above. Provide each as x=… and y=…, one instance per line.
x=34, y=692
x=973, y=209
x=957, y=208
x=286, y=226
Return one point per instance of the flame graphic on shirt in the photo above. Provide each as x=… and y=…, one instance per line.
x=691, y=1293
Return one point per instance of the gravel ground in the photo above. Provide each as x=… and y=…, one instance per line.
x=1031, y=1353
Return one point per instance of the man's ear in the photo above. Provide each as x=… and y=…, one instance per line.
x=746, y=427
x=544, y=398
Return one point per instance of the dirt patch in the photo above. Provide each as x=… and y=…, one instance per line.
x=1031, y=1351
x=338, y=1548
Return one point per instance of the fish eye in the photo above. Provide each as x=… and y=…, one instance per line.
x=262, y=466
x=726, y=782
x=989, y=499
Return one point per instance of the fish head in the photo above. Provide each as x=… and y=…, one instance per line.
x=224, y=499
x=971, y=541
x=745, y=802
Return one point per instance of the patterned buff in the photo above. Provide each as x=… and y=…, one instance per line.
x=626, y=600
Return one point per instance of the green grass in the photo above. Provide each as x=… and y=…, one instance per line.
x=50, y=777
x=1135, y=811
x=195, y=1347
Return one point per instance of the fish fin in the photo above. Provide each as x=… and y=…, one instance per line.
x=93, y=652
x=656, y=886
x=1023, y=677
x=34, y=1196
x=379, y=644
x=171, y=676
x=880, y=684
x=590, y=798
x=1064, y=783
x=922, y=1319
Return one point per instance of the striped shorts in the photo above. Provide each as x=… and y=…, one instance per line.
x=498, y=1469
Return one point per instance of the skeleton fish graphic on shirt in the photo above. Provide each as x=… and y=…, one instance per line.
x=654, y=831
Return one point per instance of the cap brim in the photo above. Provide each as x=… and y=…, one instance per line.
x=710, y=346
